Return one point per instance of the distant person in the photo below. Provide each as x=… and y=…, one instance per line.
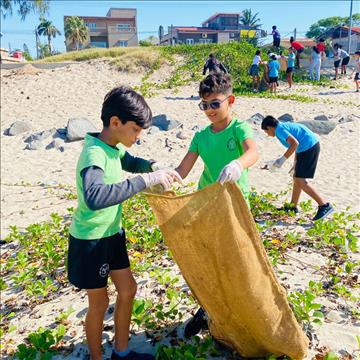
x=276, y=36
x=299, y=47
x=97, y=242
x=357, y=70
x=315, y=64
x=321, y=47
x=337, y=59
x=214, y=66
x=255, y=71
x=345, y=58
x=298, y=139
x=290, y=66
x=274, y=67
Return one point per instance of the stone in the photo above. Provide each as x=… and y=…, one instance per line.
x=334, y=316
x=256, y=119
x=40, y=136
x=18, y=127
x=180, y=135
x=56, y=144
x=34, y=145
x=319, y=127
x=195, y=128
x=345, y=119
x=153, y=130
x=163, y=123
x=286, y=118
x=321, y=118
x=77, y=128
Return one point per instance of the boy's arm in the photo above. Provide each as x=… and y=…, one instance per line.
x=98, y=195
x=187, y=164
x=293, y=146
x=250, y=155
x=135, y=164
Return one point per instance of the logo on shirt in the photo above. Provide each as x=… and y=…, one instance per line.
x=104, y=270
x=231, y=144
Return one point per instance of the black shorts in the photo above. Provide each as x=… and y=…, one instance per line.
x=273, y=79
x=90, y=261
x=357, y=77
x=299, y=51
x=306, y=162
x=337, y=63
x=289, y=70
x=276, y=42
x=345, y=61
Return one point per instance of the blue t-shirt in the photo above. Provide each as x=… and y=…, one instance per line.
x=306, y=138
x=274, y=67
x=291, y=60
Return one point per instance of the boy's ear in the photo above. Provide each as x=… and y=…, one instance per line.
x=114, y=121
x=231, y=99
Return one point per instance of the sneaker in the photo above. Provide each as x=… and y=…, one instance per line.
x=132, y=355
x=323, y=211
x=288, y=208
x=197, y=323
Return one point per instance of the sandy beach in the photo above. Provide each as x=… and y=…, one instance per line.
x=50, y=98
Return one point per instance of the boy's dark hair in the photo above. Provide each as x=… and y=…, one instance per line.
x=316, y=49
x=219, y=83
x=321, y=40
x=291, y=39
x=274, y=27
x=336, y=46
x=340, y=46
x=127, y=105
x=211, y=55
x=273, y=56
x=269, y=121
x=357, y=52
x=258, y=52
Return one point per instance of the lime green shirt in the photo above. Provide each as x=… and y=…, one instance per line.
x=96, y=224
x=218, y=149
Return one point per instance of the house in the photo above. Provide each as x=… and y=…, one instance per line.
x=117, y=28
x=340, y=34
x=219, y=28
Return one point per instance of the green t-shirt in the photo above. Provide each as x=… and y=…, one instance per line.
x=218, y=149
x=96, y=224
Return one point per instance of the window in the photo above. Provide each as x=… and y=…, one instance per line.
x=123, y=27
x=99, y=44
x=122, y=43
x=232, y=35
x=189, y=41
x=91, y=25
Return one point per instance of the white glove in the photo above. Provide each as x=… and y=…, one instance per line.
x=231, y=172
x=163, y=177
x=279, y=162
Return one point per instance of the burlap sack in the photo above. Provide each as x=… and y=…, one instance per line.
x=283, y=64
x=214, y=240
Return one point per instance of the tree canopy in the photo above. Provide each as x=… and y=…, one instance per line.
x=76, y=31
x=24, y=7
x=325, y=24
x=250, y=19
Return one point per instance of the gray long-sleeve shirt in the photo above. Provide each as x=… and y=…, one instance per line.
x=99, y=195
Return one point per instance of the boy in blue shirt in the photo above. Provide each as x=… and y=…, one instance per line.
x=290, y=66
x=97, y=242
x=301, y=140
x=274, y=67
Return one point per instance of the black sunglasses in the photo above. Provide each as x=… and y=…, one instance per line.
x=203, y=105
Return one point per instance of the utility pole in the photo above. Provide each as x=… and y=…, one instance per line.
x=172, y=40
x=294, y=34
x=350, y=27
x=37, y=43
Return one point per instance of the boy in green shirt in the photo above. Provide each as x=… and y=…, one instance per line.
x=97, y=243
x=226, y=147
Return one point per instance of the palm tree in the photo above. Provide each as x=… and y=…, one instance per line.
x=249, y=19
x=47, y=28
x=76, y=31
x=25, y=7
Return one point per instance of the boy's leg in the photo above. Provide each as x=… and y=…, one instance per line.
x=126, y=289
x=296, y=192
x=310, y=190
x=98, y=304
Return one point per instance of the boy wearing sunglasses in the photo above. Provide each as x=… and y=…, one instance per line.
x=226, y=147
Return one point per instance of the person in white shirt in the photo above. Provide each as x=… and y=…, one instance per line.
x=315, y=64
x=255, y=71
x=345, y=58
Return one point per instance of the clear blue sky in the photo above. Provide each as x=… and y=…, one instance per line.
x=286, y=14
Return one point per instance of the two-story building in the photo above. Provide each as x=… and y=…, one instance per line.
x=219, y=28
x=117, y=28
